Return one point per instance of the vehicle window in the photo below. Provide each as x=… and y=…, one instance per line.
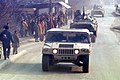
x=79, y=38
x=75, y=37
x=55, y=37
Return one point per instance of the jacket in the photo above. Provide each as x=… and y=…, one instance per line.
x=6, y=38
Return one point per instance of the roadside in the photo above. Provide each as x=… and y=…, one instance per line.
x=21, y=52
x=23, y=41
x=115, y=27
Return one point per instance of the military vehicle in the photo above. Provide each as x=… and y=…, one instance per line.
x=117, y=11
x=85, y=21
x=86, y=24
x=97, y=10
x=68, y=46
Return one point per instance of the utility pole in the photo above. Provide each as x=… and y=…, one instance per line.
x=50, y=6
x=50, y=12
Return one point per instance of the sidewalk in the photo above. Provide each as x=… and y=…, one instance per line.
x=23, y=41
x=3, y=62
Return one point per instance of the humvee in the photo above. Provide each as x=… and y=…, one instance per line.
x=86, y=25
x=68, y=46
x=97, y=10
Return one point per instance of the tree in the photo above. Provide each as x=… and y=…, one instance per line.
x=7, y=10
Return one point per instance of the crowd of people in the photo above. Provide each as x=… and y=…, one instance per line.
x=38, y=25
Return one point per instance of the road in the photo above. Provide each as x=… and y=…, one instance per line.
x=104, y=59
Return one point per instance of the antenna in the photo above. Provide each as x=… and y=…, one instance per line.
x=83, y=12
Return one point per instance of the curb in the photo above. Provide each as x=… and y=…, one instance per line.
x=12, y=59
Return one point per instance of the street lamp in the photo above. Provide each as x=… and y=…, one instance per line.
x=50, y=6
x=50, y=12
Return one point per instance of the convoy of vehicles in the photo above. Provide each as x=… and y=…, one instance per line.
x=86, y=22
x=66, y=45
x=71, y=45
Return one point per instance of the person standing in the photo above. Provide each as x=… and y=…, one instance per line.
x=25, y=26
x=21, y=31
x=15, y=45
x=32, y=23
x=41, y=29
x=6, y=38
x=36, y=31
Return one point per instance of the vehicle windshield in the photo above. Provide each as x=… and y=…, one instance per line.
x=70, y=37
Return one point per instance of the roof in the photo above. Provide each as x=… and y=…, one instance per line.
x=64, y=4
x=36, y=5
x=68, y=30
x=82, y=25
x=83, y=22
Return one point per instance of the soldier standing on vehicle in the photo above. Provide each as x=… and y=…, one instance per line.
x=6, y=38
x=15, y=45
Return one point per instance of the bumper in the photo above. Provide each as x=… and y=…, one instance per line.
x=68, y=58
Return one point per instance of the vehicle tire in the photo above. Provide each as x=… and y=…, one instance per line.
x=45, y=62
x=103, y=15
x=86, y=64
x=93, y=38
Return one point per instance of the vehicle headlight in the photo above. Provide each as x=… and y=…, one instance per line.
x=55, y=51
x=76, y=51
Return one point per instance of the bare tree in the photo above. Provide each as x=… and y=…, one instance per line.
x=7, y=9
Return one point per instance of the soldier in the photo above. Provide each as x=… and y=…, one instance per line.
x=77, y=14
x=6, y=38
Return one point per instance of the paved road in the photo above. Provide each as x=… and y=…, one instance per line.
x=104, y=60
